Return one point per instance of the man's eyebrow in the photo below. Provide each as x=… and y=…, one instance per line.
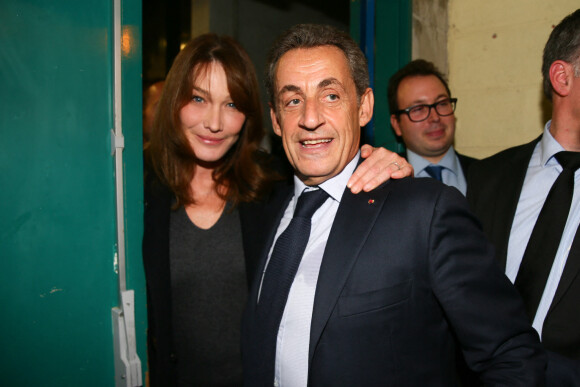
x=291, y=88
x=321, y=84
x=328, y=82
x=422, y=101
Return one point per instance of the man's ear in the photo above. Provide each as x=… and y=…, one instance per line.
x=367, y=103
x=560, y=77
x=395, y=125
x=275, y=123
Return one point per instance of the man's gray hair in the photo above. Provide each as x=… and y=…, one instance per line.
x=316, y=35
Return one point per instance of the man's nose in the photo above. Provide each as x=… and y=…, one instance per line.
x=311, y=115
x=433, y=115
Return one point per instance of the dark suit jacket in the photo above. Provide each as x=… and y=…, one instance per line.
x=160, y=347
x=406, y=276
x=465, y=162
x=494, y=186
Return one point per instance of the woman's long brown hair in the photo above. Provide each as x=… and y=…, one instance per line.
x=240, y=177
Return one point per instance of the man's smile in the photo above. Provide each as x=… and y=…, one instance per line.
x=310, y=143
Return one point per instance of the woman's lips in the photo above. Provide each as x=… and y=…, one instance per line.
x=210, y=140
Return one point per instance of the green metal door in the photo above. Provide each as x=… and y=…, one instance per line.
x=58, y=233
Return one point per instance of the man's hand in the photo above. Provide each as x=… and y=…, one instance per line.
x=380, y=165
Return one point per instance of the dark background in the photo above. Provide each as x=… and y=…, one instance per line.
x=254, y=23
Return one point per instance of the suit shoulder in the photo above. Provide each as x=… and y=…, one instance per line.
x=466, y=158
x=509, y=154
x=494, y=163
x=465, y=161
x=413, y=183
x=418, y=188
x=420, y=199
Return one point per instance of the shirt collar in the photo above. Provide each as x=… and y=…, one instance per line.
x=334, y=186
x=448, y=161
x=548, y=146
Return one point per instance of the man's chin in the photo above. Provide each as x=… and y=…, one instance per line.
x=436, y=150
x=313, y=176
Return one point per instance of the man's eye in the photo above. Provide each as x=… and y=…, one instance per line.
x=294, y=101
x=418, y=109
x=332, y=97
x=444, y=103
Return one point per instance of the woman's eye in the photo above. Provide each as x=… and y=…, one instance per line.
x=232, y=105
x=197, y=99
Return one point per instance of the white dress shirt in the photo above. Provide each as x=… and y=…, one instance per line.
x=293, y=343
x=543, y=170
x=452, y=173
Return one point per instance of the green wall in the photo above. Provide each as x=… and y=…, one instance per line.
x=57, y=222
x=392, y=50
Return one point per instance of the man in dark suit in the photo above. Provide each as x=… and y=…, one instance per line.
x=390, y=282
x=508, y=190
x=422, y=114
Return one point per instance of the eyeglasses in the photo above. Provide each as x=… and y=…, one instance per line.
x=419, y=113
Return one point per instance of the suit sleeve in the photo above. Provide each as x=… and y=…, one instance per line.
x=482, y=306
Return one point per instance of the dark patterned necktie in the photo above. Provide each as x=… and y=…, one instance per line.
x=280, y=273
x=545, y=238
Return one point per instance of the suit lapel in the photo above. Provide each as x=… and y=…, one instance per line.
x=354, y=220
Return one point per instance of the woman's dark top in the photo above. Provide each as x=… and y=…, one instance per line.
x=163, y=357
x=209, y=290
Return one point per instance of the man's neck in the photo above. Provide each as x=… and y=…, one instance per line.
x=432, y=159
x=335, y=185
x=565, y=128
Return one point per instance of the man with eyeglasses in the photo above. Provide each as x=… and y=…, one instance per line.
x=422, y=114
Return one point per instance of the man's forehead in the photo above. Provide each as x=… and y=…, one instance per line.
x=322, y=84
x=320, y=66
x=421, y=87
x=421, y=80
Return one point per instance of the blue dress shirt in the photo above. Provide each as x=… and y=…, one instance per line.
x=452, y=172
